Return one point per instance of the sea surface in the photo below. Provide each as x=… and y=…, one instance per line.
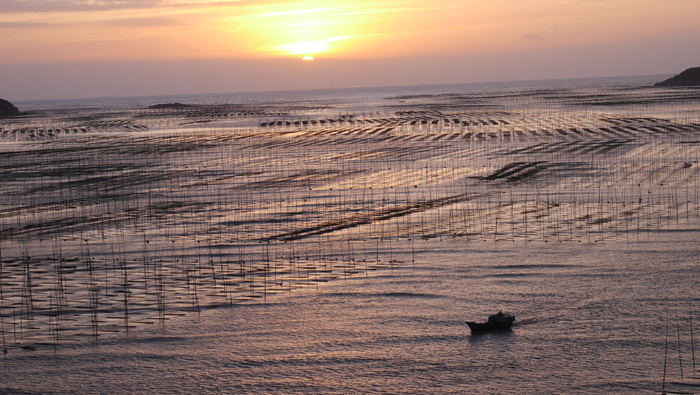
x=365, y=98
x=599, y=264
x=590, y=319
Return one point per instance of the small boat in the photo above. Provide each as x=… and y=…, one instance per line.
x=496, y=322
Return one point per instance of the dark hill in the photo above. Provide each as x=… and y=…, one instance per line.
x=8, y=109
x=169, y=106
x=690, y=77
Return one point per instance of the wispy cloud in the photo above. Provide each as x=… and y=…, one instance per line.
x=143, y=22
x=337, y=8
x=370, y=28
x=23, y=25
x=532, y=36
x=48, y=6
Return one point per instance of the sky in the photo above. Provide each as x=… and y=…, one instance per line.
x=56, y=49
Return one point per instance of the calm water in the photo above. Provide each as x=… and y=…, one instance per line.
x=592, y=317
x=366, y=98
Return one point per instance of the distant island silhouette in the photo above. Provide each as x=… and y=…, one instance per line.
x=8, y=109
x=689, y=77
x=169, y=105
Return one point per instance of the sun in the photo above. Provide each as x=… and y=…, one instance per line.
x=304, y=47
x=308, y=58
x=301, y=28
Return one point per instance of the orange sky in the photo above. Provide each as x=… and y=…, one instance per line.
x=43, y=32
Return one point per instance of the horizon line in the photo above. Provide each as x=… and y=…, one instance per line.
x=340, y=89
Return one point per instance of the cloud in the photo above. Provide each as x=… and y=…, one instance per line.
x=41, y=6
x=532, y=36
x=47, y=6
x=143, y=22
x=22, y=25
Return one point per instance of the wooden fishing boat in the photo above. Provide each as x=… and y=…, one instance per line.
x=497, y=322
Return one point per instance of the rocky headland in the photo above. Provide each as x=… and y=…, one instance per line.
x=689, y=77
x=8, y=109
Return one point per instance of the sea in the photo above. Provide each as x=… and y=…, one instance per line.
x=367, y=98
x=597, y=310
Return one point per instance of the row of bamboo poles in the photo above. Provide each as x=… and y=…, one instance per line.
x=113, y=228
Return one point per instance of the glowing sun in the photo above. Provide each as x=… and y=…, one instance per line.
x=308, y=58
x=304, y=28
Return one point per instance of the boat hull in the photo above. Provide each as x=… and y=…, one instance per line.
x=477, y=327
x=496, y=322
